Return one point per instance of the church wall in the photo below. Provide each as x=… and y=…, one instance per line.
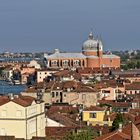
x=70, y=62
x=92, y=63
x=111, y=62
x=100, y=62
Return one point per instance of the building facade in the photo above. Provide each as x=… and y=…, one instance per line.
x=22, y=117
x=91, y=56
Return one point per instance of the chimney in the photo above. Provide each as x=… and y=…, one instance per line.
x=107, y=112
x=11, y=96
x=100, y=132
x=39, y=97
x=120, y=127
x=109, y=119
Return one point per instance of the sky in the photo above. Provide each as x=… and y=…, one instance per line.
x=43, y=25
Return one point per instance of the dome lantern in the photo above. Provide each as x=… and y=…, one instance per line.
x=90, y=36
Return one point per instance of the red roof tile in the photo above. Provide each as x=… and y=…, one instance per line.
x=21, y=100
x=94, y=108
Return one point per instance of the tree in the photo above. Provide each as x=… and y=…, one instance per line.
x=119, y=119
x=138, y=64
x=83, y=135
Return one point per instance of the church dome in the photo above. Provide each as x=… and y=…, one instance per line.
x=90, y=44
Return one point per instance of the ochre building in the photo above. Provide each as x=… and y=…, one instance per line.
x=91, y=56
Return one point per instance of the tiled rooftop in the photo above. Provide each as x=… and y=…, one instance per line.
x=21, y=100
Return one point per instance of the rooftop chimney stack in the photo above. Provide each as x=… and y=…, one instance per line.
x=11, y=96
x=120, y=127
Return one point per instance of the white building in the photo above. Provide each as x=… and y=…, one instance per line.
x=7, y=74
x=34, y=64
x=42, y=74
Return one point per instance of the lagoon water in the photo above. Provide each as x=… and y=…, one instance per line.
x=5, y=88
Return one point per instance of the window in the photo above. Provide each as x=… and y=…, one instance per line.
x=92, y=115
x=54, y=62
x=65, y=62
x=83, y=96
x=53, y=94
x=56, y=93
x=76, y=62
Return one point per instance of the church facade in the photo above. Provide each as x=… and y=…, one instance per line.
x=91, y=57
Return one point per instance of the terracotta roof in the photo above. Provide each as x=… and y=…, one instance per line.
x=94, y=108
x=113, y=115
x=58, y=132
x=137, y=123
x=7, y=137
x=10, y=138
x=133, y=86
x=93, y=71
x=120, y=104
x=72, y=85
x=30, y=90
x=63, y=119
x=62, y=109
x=38, y=138
x=108, y=83
x=135, y=111
x=21, y=100
x=61, y=73
x=114, y=136
x=115, y=104
x=3, y=100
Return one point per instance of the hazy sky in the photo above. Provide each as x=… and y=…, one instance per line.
x=43, y=25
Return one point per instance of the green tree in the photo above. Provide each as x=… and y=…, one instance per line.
x=83, y=135
x=119, y=119
x=124, y=67
x=131, y=65
x=138, y=64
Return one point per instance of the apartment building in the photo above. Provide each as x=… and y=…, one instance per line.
x=22, y=116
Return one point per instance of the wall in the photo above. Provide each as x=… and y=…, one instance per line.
x=99, y=117
x=20, y=121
